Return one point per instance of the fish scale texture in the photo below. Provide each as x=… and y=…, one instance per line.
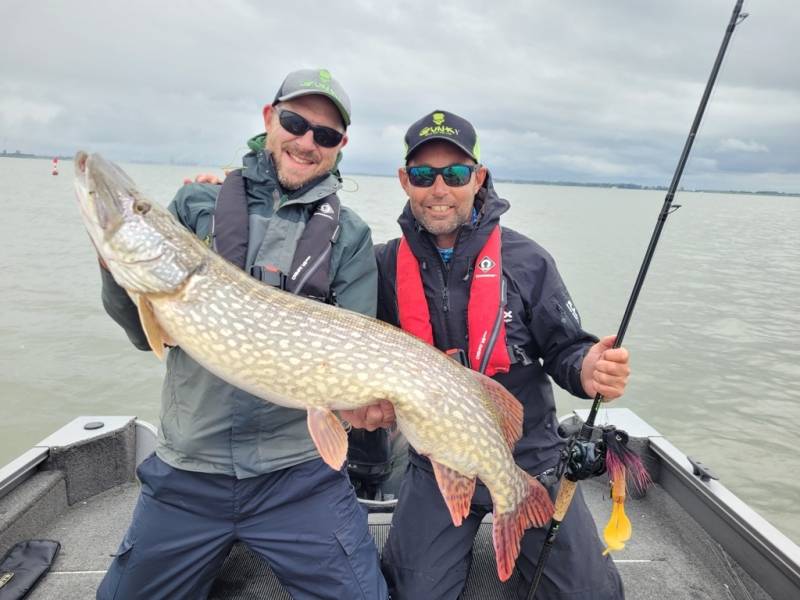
x=294, y=351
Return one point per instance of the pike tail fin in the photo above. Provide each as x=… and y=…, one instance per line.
x=534, y=511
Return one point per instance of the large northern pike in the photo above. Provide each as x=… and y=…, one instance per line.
x=307, y=355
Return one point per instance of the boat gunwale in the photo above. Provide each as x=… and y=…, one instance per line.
x=759, y=548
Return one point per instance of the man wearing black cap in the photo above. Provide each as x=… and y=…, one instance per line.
x=229, y=466
x=439, y=282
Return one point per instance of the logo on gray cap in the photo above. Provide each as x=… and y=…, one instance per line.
x=315, y=81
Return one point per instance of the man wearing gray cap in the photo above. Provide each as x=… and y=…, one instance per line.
x=229, y=466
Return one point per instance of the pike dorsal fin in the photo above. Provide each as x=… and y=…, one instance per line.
x=456, y=489
x=150, y=325
x=505, y=408
x=329, y=436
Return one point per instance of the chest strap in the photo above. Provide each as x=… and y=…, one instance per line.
x=309, y=274
x=230, y=225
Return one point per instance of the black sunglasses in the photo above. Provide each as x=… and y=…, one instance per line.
x=453, y=175
x=298, y=125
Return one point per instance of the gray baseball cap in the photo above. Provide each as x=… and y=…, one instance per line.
x=315, y=81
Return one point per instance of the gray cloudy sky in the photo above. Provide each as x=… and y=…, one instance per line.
x=576, y=90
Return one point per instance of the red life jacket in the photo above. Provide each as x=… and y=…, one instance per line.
x=487, y=351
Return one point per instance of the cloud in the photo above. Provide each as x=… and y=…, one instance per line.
x=16, y=109
x=588, y=164
x=582, y=91
x=734, y=145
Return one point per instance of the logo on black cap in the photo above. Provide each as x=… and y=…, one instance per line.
x=439, y=128
x=443, y=125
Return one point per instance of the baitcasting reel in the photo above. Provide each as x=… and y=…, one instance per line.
x=585, y=453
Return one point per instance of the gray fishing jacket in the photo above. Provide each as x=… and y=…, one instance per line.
x=208, y=425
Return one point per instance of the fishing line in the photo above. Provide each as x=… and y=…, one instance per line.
x=235, y=161
x=350, y=180
x=582, y=445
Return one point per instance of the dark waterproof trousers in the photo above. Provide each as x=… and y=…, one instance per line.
x=427, y=557
x=304, y=521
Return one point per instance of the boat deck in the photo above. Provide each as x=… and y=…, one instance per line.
x=691, y=537
x=669, y=556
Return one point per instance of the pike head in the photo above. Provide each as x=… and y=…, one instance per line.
x=145, y=248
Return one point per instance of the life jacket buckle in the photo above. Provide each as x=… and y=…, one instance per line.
x=518, y=353
x=458, y=355
x=269, y=274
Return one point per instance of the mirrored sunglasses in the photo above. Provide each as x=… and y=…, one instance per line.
x=453, y=175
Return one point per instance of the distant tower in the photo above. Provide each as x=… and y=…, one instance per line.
x=55, y=166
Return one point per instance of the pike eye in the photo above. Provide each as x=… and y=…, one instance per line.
x=141, y=207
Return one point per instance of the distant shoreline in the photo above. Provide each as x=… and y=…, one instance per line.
x=19, y=154
x=621, y=186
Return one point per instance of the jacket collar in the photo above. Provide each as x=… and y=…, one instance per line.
x=471, y=237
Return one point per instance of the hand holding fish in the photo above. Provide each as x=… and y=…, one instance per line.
x=203, y=178
x=370, y=417
x=605, y=369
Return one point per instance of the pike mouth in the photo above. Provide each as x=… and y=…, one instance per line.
x=80, y=162
x=104, y=209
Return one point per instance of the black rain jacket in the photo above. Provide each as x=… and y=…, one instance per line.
x=543, y=328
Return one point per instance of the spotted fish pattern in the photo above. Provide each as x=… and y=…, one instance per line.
x=304, y=354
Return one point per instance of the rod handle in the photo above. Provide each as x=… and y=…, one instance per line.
x=566, y=491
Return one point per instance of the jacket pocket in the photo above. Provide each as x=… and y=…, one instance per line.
x=352, y=534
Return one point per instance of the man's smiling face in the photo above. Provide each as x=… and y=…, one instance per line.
x=442, y=209
x=298, y=158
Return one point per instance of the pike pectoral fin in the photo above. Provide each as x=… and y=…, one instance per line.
x=329, y=436
x=506, y=409
x=152, y=328
x=456, y=489
x=534, y=511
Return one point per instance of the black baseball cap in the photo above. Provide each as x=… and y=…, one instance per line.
x=315, y=81
x=443, y=125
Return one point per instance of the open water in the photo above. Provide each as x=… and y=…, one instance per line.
x=715, y=339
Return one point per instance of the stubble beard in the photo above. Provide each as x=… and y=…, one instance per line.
x=292, y=182
x=443, y=227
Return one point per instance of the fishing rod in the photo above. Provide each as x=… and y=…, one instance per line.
x=584, y=457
